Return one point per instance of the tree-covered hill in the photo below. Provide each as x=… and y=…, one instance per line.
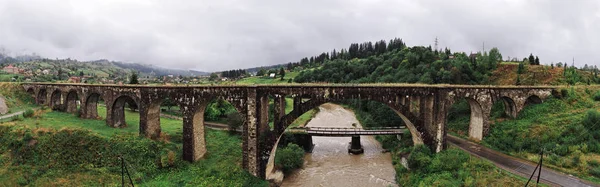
x=34, y=66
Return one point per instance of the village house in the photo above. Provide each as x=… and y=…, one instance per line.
x=11, y=69
x=74, y=79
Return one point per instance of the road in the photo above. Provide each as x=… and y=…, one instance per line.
x=518, y=166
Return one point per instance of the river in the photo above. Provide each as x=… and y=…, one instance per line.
x=330, y=164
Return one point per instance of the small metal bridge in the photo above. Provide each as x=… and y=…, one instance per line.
x=346, y=131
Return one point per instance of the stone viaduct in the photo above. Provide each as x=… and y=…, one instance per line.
x=423, y=108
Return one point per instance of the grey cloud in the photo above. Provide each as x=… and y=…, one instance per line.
x=227, y=34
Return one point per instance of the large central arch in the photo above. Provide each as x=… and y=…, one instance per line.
x=400, y=110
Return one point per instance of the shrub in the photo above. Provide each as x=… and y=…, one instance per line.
x=591, y=120
x=28, y=113
x=564, y=93
x=450, y=160
x=289, y=158
x=15, y=118
x=420, y=158
x=235, y=121
x=595, y=171
x=597, y=96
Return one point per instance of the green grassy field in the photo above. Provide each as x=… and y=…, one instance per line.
x=555, y=126
x=220, y=167
x=267, y=80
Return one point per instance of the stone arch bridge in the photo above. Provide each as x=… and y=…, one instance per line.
x=423, y=108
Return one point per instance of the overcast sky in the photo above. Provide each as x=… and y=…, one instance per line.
x=226, y=34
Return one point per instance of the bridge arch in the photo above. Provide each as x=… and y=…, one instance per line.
x=478, y=114
x=510, y=107
x=31, y=91
x=56, y=100
x=118, y=110
x=90, y=105
x=477, y=119
x=42, y=96
x=401, y=111
x=533, y=99
x=193, y=113
x=73, y=101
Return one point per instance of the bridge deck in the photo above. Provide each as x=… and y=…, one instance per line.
x=302, y=85
x=342, y=131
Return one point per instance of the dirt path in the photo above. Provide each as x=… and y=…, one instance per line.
x=517, y=166
x=11, y=115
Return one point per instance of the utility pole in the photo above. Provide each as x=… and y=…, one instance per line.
x=483, y=47
x=436, y=43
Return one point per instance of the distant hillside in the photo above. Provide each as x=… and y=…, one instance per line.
x=101, y=68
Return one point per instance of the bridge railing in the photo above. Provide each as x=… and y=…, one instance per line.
x=347, y=130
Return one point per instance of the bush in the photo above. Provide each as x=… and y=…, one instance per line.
x=289, y=158
x=595, y=171
x=591, y=121
x=235, y=121
x=597, y=96
x=16, y=118
x=420, y=158
x=28, y=113
x=564, y=93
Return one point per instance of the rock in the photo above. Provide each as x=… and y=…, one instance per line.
x=3, y=107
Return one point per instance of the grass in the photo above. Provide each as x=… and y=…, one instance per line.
x=555, y=125
x=452, y=167
x=220, y=167
x=268, y=80
x=506, y=74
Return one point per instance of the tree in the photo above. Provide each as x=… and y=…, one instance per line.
x=261, y=72
x=531, y=59
x=81, y=74
x=518, y=80
x=537, y=61
x=282, y=73
x=521, y=68
x=495, y=55
x=551, y=65
x=213, y=76
x=133, y=78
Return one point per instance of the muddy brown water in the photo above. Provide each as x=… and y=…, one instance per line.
x=330, y=164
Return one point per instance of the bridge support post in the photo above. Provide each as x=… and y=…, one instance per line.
x=355, y=146
x=71, y=103
x=305, y=142
x=194, y=141
x=297, y=103
x=149, y=119
x=255, y=134
x=279, y=104
x=414, y=104
x=433, y=111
